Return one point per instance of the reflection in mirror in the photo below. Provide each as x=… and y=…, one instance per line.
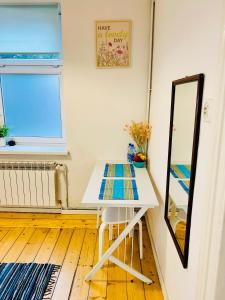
x=184, y=134
x=181, y=152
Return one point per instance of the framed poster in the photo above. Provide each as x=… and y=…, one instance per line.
x=113, y=43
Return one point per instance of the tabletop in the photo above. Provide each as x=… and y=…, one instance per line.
x=147, y=196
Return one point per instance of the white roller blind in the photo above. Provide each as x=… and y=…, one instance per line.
x=30, y=29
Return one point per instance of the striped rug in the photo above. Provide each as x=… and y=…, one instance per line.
x=27, y=281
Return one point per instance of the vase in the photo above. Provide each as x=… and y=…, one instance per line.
x=139, y=164
x=140, y=150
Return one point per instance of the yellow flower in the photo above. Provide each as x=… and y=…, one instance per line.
x=140, y=132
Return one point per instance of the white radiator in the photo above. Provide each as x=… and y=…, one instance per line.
x=28, y=184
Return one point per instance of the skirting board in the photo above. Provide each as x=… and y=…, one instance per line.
x=31, y=210
x=79, y=211
x=165, y=294
x=49, y=210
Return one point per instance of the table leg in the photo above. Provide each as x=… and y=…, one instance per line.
x=130, y=270
x=115, y=244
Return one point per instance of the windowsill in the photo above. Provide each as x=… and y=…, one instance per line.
x=34, y=150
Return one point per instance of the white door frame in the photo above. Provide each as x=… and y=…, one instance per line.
x=213, y=231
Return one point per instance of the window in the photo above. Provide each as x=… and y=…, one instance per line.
x=36, y=98
x=30, y=72
x=30, y=32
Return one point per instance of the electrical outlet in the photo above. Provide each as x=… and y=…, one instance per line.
x=207, y=110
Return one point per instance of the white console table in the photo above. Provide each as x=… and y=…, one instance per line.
x=147, y=199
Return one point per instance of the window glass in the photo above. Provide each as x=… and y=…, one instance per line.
x=31, y=105
x=30, y=31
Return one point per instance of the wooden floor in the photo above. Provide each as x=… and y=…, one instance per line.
x=71, y=241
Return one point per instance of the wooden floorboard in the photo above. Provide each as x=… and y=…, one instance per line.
x=47, y=246
x=48, y=223
x=32, y=247
x=117, y=277
x=9, y=239
x=8, y=215
x=135, y=288
x=59, y=252
x=80, y=288
x=63, y=286
x=71, y=241
x=98, y=286
x=3, y=232
x=148, y=266
x=18, y=246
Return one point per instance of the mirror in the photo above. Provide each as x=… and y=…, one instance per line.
x=185, y=118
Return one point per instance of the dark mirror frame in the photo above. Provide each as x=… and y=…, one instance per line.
x=200, y=80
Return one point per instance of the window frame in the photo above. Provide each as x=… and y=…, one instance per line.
x=35, y=70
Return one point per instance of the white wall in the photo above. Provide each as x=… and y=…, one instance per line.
x=98, y=102
x=187, y=42
x=220, y=283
